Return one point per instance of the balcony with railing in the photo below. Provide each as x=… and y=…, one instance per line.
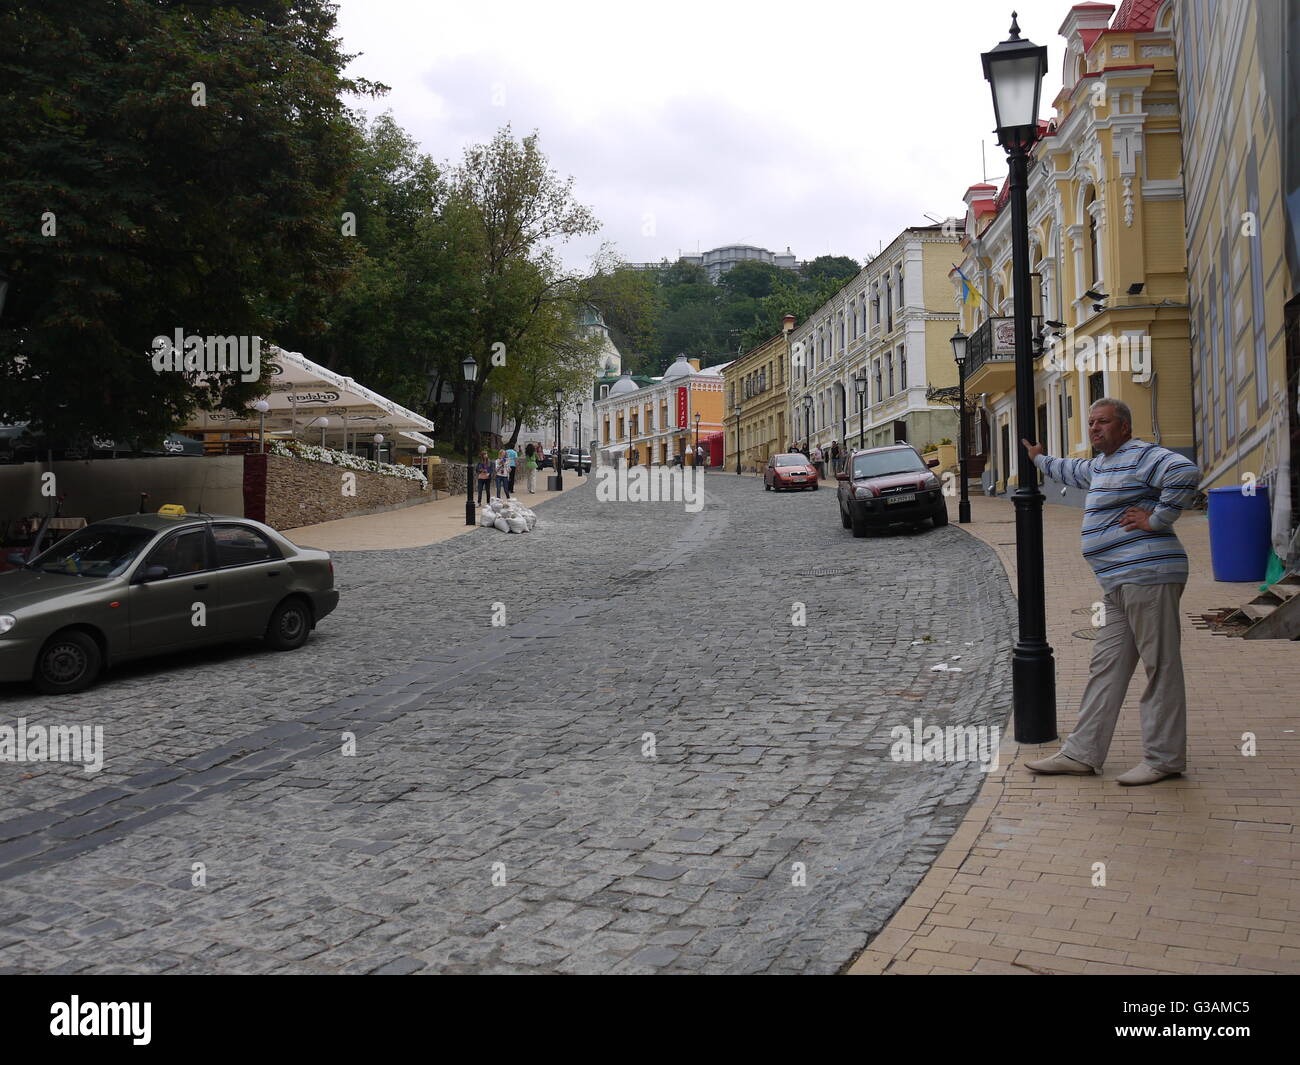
x=991, y=354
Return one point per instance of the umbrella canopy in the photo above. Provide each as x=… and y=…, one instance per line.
x=303, y=394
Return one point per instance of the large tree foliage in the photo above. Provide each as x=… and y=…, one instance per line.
x=164, y=166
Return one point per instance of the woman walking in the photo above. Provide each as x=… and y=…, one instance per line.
x=503, y=475
x=530, y=464
x=484, y=473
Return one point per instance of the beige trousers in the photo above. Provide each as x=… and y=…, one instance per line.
x=1140, y=622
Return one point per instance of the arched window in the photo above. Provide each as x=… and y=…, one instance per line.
x=1094, y=237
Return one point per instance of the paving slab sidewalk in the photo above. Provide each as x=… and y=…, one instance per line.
x=417, y=526
x=1201, y=872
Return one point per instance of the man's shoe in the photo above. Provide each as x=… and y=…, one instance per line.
x=1060, y=763
x=1143, y=774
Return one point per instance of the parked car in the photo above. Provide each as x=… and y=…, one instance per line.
x=789, y=471
x=147, y=584
x=546, y=460
x=570, y=458
x=889, y=486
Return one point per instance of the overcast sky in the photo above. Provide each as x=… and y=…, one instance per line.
x=824, y=126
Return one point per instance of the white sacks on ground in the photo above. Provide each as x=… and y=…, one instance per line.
x=517, y=525
x=487, y=516
x=500, y=523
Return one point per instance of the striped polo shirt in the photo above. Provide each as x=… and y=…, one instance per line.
x=1139, y=474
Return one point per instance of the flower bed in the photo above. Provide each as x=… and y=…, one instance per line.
x=296, y=449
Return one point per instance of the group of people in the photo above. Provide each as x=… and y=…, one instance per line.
x=497, y=476
x=819, y=457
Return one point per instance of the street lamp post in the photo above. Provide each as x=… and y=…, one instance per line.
x=470, y=369
x=860, y=385
x=379, y=450
x=324, y=424
x=697, y=437
x=736, y=411
x=559, y=459
x=959, y=357
x=807, y=425
x=578, y=442
x=1015, y=71
x=261, y=406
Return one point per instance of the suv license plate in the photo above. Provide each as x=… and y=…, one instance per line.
x=908, y=497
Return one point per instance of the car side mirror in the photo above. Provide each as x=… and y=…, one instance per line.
x=841, y=476
x=153, y=573
x=933, y=463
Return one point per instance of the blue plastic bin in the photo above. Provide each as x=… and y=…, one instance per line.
x=1240, y=533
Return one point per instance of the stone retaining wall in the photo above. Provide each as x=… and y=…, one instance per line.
x=286, y=493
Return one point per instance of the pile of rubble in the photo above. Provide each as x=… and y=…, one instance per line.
x=507, y=515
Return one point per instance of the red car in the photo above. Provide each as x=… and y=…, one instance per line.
x=789, y=471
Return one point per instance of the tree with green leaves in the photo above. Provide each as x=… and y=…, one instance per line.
x=164, y=166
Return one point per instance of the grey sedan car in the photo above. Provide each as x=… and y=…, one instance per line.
x=149, y=584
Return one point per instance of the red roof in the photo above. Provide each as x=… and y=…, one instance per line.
x=1136, y=15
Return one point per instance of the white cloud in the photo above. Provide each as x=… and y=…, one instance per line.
x=823, y=126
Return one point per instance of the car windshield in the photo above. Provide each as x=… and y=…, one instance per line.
x=883, y=463
x=95, y=551
x=791, y=460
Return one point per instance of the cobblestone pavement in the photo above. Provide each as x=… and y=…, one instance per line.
x=650, y=768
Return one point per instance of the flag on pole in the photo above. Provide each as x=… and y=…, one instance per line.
x=970, y=295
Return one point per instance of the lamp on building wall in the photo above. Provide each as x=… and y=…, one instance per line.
x=1015, y=71
x=959, y=357
x=470, y=369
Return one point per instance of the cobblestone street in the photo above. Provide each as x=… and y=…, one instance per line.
x=649, y=768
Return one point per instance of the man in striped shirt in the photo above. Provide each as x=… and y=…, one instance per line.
x=1136, y=491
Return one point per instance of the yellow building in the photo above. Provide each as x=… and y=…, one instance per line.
x=757, y=382
x=651, y=424
x=1105, y=248
x=888, y=327
x=1242, y=244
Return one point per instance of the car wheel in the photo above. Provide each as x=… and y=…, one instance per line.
x=845, y=520
x=859, y=525
x=69, y=662
x=814, y=486
x=940, y=517
x=290, y=625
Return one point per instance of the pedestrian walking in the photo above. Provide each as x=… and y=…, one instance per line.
x=816, y=458
x=483, y=471
x=1136, y=491
x=503, y=475
x=512, y=457
x=699, y=454
x=530, y=467
x=836, y=457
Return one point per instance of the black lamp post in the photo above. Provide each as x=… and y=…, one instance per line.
x=1015, y=70
x=959, y=357
x=696, y=457
x=559, y=459
x=736, y=411
x=578, y=442
x=860, y=385
x=470, y=368
x=807, y=425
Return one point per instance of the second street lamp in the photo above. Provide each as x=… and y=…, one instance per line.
x=559, y=459
x=959, y=357
x=470, y=369
x=1015, y=70
x=696, y=455
x=736, y=411
x=860, y=385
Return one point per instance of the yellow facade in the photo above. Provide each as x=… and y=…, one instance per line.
x=757, y=382
x=1105, y=211
x=1237, y=230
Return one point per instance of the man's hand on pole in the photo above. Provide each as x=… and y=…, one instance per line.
x=1034, y=449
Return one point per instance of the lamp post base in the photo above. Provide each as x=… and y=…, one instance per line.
x=963, y=512
x=1033, y=693
x=469, y=512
